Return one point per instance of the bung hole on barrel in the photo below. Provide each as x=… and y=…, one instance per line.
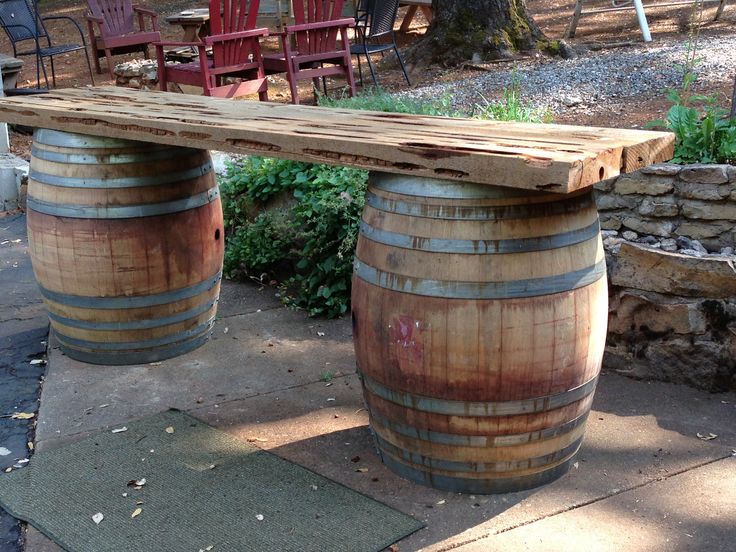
x=217, y=234
x=601, y=173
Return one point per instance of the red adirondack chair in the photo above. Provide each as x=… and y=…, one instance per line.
x=236, y=53
x=116, y=31
x=310, y=49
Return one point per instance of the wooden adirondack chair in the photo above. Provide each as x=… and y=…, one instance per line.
x=310, y=49
x=116, y=31
x=236, y=53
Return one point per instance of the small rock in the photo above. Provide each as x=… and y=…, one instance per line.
x=613, y=242
x=726, y=251
x=649, y=240
x=698, y=246
x=662, y=169
x=609, y=234
x=630, y=236
x=669, y=244
x=692, y=252
x=683, y=242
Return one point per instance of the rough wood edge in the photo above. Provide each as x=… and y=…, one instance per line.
x=555, y=158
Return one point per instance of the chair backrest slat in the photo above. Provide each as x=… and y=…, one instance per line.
x=117, y=14
x=232, y=16
x=316, y=11
x=381, y=16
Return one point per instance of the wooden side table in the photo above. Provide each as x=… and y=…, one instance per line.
x=195, y=23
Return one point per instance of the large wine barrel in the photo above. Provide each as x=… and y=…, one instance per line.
x=479, y=317
x=126, y=243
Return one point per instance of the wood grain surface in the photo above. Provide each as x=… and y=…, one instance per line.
x=554, y=158
x=479, y=320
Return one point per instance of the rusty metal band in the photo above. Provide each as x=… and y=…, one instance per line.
x=138, y=181
x=480, y=409
x=133, y=324
x=480, y=247
x=144, y=155
x=115, y=358
x=133, y=302
x=128, y=211
x=571, y=205
x=446, y=189
x=509, y=484
x=471, y=466
x=62, y=139
x=101, y=346
x=480, y=441
x=512, y=289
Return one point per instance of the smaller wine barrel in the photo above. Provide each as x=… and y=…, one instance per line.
x=126, y=244
x=479, y=321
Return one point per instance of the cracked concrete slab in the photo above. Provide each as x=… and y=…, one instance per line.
x=301, y=399
x=689, y=512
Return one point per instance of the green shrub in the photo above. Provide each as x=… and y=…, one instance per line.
x=704, y=133
x=509, y=108
x=308, y=244
x=307, y=241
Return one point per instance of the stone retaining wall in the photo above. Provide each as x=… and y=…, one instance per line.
x=669, y=236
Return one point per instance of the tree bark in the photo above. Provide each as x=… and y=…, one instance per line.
x=478, y=30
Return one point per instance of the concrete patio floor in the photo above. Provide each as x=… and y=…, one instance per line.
x=642, y=481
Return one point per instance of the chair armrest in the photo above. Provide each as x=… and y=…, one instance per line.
x=93, y=19
x=162, y=44
x=252, y=33
x=145, y=11
x=66, y=18
x=150, y=13
x=346, y=22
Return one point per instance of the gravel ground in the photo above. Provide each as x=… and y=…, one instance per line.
x=596, y=80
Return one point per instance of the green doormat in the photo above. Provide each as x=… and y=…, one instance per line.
x=172, y=483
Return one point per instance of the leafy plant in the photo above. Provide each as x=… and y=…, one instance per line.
x=298, y=222
x=510, y=107
x=307, y=243
x=375, y=99
x=703, y=130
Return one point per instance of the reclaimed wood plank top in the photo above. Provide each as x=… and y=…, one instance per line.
x=555, y=158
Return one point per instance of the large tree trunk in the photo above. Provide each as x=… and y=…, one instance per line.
x=464, y=30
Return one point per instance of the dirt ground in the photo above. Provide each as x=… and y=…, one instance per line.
x=616, y=29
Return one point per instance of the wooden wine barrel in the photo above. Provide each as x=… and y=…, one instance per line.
x=126, y=244
x=479, y=317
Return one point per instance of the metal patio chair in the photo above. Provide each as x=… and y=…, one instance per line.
x=25, y=28
x=375, y=34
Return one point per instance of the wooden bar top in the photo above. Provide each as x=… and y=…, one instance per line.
x=555, y=158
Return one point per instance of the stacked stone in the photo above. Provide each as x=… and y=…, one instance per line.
x=140, y=74
x=672, y=313
x=667, y=200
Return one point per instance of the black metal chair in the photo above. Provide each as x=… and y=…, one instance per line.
x=25, y=27
x=375, y=33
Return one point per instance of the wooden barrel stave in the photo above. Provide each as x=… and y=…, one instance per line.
x=126, y=243
x=502, y=350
